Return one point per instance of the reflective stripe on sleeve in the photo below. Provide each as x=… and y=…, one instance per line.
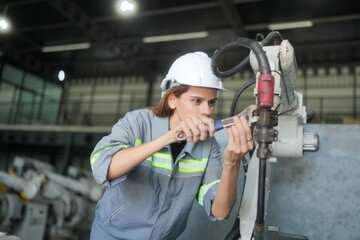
x=97, y=153
x=204, y=189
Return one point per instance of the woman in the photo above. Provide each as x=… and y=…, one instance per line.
x=151, y=178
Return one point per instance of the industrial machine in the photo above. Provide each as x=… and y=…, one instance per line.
x=37, y=203
x=278, y=129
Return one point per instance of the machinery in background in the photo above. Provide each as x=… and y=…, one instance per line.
x=37, y=203
x=279, y=128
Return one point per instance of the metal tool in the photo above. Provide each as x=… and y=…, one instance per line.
x=226, y=122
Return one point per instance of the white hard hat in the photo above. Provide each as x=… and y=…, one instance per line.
x=192, y=69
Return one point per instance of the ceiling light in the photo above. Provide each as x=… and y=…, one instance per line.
x=4, y=22
x=290, y=25
x=61, y=75
x=66, y=47
x=126, y=6
x=175, y=37
x=4, y=25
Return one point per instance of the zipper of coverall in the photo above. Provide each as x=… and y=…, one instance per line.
x=170, y=177
x=181, y=155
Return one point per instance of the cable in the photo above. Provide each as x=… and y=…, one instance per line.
x=234, y=43
x=237, y=95
x=273, y=38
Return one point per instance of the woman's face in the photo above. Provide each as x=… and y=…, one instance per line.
x=197, y=101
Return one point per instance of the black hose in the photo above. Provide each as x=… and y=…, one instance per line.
x=234, y=234
x=237, y=95
x=272, y=38
x=232, y=43
x=261, y=186
x=311, y=114
x=260, y=222
x=264, y=66
x=245, y=42
x=269, y=39
x=259, y=37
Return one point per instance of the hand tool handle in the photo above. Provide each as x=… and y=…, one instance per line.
x=180, y=136
x=218, y=124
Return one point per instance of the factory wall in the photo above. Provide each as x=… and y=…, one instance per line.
x=333, y=93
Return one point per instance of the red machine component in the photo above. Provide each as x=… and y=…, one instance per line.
x=265, y=90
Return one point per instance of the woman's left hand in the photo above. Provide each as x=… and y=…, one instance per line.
x=240, y=141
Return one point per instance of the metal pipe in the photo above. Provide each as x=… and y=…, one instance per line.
x=264, y=135
x=260, y=222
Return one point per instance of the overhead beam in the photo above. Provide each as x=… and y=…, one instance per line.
x=233, y=17
x=299, y=47
x=178, y=9
x=321, y=20
x=19, y=3
x=248, y=27
x=149, y=13
x=78, y=17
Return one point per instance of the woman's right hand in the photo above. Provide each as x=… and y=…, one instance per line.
x=194, y=129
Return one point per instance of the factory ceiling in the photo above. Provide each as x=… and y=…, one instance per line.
x=114, y=45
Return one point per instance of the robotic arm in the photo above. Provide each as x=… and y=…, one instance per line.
x=281, y=116
x=291, y=114
x=37, y=193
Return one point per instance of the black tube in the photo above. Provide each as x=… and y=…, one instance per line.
x=260, y=222
x=264, y=66
x=245, y=42
x=311, y=114
x=242, y=65
x=237, y=95
x=272, y=36
x=261, y=193
x=232, y=43
x=234, y=234
x=269, y=39
x=259, y=37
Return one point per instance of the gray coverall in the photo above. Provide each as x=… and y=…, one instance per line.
x=153, y=201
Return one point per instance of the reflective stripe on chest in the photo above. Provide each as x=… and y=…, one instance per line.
x=162, y=162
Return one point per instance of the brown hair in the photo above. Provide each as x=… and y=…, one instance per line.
x=163, y=109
